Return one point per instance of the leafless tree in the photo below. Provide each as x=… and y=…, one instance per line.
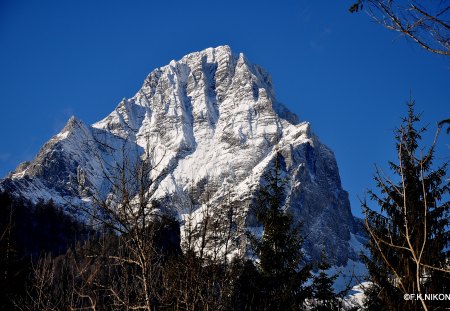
x=6, y=247
x=126, y=265
x=202, y=279
x=426, y=23
x=129, y=212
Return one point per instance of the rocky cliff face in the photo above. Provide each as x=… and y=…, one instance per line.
x=210, y=121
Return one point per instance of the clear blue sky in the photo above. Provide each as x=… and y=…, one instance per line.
x=346, y=75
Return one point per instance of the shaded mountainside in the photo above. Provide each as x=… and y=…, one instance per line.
x=209, y=122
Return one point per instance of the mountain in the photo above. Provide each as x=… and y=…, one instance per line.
x=211, y=124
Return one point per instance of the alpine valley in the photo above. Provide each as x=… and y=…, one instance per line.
x=212, y=127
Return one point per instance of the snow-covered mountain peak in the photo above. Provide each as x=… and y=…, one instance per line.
x=73, y=124
x=210, y=122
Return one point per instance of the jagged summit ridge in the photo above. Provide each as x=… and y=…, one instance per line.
x=195, y=89
x=210, y=118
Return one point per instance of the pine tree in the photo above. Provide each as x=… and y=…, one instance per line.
x=324, y=297
x=409, y=235
x=279, y=248
x=372, y=300
x=247, y=287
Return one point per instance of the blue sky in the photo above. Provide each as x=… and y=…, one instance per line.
x=342, y=72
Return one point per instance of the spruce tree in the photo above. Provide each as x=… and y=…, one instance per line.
x=324, y=297
x=409, y=233
x=279, y=248
x=372, y=300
